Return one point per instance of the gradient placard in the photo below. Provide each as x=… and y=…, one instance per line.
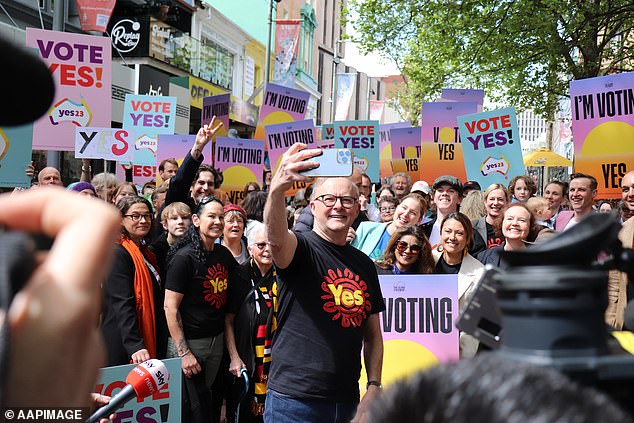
x=241, y=161
x=603, y=129
x=441, y=150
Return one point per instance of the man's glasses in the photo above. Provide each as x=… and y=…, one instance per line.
x=137, y=217
x=330, y=200
x=402, y=246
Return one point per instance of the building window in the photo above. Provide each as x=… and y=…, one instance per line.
x=216, y=64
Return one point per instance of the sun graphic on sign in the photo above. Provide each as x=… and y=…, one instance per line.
x=609, y=138
x=402, y=358
x=410, y=152
x=239, y=176
x=446, y=134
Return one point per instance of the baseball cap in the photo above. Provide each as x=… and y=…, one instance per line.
x=452, y=181
x=471, y=185
x=28, y=84
x=421, y=186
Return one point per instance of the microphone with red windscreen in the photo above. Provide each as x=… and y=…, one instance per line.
x=144, y=380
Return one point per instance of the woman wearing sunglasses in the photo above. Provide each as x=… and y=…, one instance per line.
x=408, y=252
x=133, y=324
x=372, y=237
x=199, y=273
x=452, y=257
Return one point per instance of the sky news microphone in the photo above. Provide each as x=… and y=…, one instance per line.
x=144, y=380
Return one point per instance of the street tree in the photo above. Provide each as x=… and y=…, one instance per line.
x=522, y=52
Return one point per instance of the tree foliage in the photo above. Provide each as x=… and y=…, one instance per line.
x=522, y=52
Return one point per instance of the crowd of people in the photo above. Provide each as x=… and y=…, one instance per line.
x=286, y=290
x=227, y=287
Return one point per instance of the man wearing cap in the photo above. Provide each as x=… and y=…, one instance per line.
x=447, y=197
x=470, y=186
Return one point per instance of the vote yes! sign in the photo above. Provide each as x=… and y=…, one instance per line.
x=148, y=116
x=491, y=146
x=81, y=68
x=362, y=136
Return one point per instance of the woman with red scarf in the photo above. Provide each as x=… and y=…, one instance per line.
x=133, y=323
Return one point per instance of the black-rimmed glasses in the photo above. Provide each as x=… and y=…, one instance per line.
x=137, y=217
x=329, y=200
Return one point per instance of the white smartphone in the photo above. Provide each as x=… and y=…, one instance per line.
x=332, y=162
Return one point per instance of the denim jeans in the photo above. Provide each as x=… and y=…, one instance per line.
x=282, y=408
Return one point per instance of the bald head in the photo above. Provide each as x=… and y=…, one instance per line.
x=49, y=176
x=318, y=186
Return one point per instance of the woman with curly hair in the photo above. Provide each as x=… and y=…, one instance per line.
x=199, y=272
x=407, y=252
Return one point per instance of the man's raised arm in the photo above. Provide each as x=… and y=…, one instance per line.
x=283, y=242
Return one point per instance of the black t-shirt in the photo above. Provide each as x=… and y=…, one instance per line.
x=204, y=286
x=494, y=237
x=443, y=268
x=325, y=296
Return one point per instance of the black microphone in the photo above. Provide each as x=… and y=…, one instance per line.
x=144, y=380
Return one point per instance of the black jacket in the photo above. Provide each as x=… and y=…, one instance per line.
x=119, y=322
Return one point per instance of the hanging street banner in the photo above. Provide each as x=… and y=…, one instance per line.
x=441, y=152
x=280, y=105
x=603, y=129
x=345, y=88
x=376, y=109
x=94, y=15
x=286, y=49
x=241, y=161
x=406, y=151
x=418, y=324
x=162, y=406
x=362, y=136
x=15, y=155
x=148, y=116
x=385, y=155
x=81, y=69
x=491, y=146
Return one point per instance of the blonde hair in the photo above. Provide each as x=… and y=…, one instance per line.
x=494, y=187
x=175, y=209
x=535, y=204
x=473, y=205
